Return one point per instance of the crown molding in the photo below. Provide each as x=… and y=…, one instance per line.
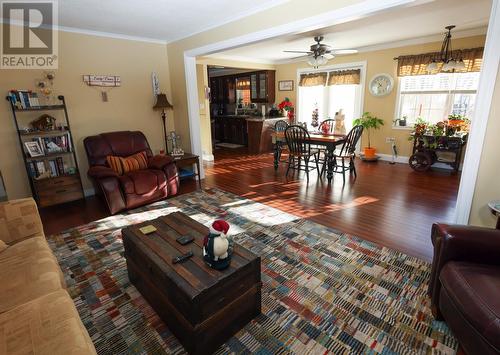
x=91, y=32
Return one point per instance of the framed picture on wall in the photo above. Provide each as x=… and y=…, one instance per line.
x=285, y=85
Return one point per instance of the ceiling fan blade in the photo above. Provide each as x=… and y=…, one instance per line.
x=343, y=51
x=306, y=52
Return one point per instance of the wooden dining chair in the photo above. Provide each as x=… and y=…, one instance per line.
x=298, y=141
x=330, y=123
x=281, y=126
x=343, y=160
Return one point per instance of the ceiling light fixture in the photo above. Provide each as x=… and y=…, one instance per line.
x=450, y=64
x=316, y=61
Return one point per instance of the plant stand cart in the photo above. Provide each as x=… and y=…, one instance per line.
x=429, y=149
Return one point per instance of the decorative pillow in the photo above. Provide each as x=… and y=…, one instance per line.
x=115, y=164
x=134, y=162
x=3, y=246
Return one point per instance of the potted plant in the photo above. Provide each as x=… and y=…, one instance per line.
x=287, y=106
x=401, y=121
x=369, y=122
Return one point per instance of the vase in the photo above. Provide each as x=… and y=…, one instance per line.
x=290, y=116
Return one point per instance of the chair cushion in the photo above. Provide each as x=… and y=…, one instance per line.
x=474, y=290
x=142, y=182
x=45, y=325
x=28, y=270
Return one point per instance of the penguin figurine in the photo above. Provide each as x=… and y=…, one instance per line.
x=216, y=246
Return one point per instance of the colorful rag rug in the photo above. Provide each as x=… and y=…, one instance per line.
x=323, y=291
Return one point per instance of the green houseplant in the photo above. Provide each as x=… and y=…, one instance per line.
x=369, y=122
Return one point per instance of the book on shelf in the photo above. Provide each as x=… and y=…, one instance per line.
x=53, y=168
x=38, y=167
x=24, y=99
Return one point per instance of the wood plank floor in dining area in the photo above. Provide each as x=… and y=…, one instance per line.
x=387, y=204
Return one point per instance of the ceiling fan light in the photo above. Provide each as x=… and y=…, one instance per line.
x=322, y=60
x=312, y=61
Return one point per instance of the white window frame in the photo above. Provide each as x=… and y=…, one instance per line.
x=343, y=66
x=397, y=109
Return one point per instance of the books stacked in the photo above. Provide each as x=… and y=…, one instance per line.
x=24, y=99
x=38, y=167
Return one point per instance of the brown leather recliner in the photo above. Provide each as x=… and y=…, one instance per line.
x=465, y=285
x=135, y=188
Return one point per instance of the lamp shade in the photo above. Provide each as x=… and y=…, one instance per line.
x=162, y=102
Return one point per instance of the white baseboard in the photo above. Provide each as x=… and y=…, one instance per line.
x=398, y=159
x=405, y=160
x=208, y=157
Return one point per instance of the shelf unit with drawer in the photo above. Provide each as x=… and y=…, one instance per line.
x=64, y=183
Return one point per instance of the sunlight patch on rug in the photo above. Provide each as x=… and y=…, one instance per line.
x=323, y=291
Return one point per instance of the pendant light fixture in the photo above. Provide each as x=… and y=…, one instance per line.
x=449, y=63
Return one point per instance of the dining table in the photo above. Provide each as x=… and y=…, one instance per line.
x=330, y=141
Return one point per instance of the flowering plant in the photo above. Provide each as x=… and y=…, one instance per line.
x=286, y=105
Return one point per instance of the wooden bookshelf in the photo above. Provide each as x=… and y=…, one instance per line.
x=64, y=184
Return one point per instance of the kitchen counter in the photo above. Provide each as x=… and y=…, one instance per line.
x=259, y=134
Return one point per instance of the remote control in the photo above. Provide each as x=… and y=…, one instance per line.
x=182, y=257
x=185, y=239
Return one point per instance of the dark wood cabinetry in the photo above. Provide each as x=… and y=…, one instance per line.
x=231, y=129
x=262, y=87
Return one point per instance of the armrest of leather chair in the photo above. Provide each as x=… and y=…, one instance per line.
x=461, y=243
x=159, y=161
x=101, y=171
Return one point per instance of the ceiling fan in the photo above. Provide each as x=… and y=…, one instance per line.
x=319, y=53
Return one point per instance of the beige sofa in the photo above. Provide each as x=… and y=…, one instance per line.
x=37, y=315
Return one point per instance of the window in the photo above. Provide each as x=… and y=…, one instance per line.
x=329, y=100
x=434, y=97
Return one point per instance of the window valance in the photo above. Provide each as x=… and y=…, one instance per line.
x=344, y=77
x=417, y=64
x=313, y=79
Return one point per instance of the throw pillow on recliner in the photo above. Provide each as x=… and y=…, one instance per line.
x=133, y=162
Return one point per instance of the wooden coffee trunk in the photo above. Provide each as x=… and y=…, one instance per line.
x=203, y=307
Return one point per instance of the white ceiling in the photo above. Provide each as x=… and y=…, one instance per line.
x=389, y=29
x=162, y=20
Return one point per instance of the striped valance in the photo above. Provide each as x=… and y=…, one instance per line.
x=344, y=77
x=313, y=79
x=417, y=64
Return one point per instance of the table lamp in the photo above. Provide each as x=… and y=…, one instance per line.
x=162, y=103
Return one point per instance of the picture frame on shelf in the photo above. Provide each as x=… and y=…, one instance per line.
x=34, y=149
x=285, y=85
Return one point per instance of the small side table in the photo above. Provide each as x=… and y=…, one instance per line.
x=188, y=160
x=495, y=209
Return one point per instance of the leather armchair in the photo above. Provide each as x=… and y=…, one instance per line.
x=465, y=285
x=135, y=188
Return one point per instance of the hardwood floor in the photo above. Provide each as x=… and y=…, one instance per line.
x=387, y=204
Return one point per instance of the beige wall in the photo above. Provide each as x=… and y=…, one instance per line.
x=487, y=184
x=129, y=107
x=380, y=61
x=294, y=10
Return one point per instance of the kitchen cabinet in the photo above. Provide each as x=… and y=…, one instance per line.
x=223, y=90
x=231, y=129
x=262, y=86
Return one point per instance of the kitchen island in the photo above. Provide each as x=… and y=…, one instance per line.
x=259, y=134
x=247, y=130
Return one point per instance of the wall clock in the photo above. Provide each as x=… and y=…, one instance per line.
x=381, y=85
